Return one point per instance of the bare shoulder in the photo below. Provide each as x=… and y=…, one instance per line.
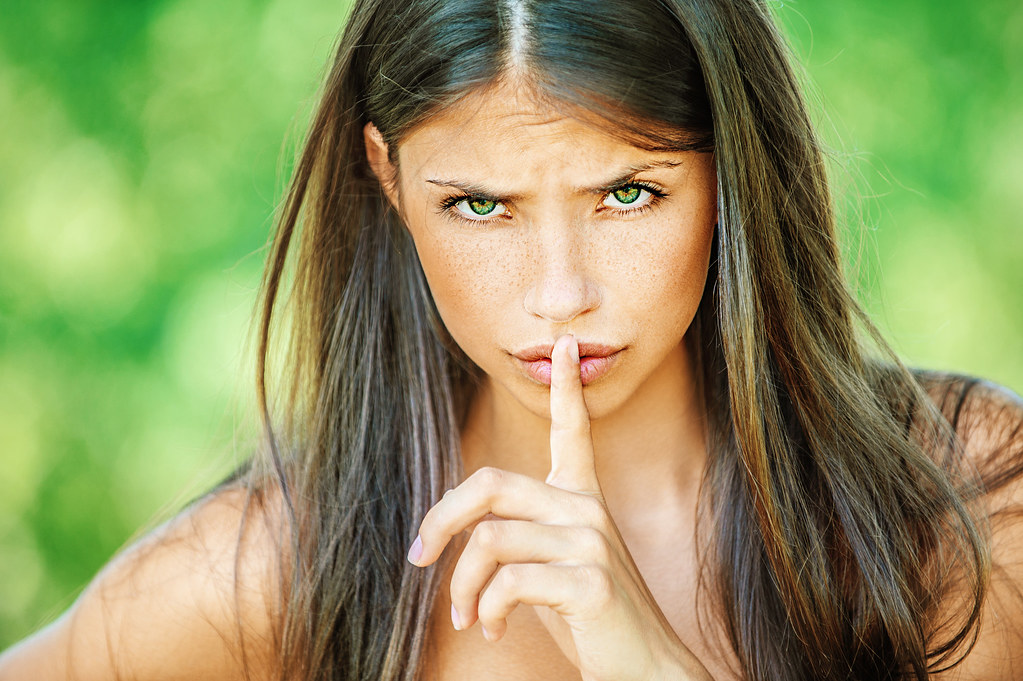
x=988, y=419
x=194, y=599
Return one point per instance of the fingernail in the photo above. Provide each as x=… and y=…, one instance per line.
x=415, y=552
x=486, y=634
x=455, y=620
x=573, y=349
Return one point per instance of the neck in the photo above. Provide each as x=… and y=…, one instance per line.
x=650, y=452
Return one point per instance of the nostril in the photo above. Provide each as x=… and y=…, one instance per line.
x=562, y=299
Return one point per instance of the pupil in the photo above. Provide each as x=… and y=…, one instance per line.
x=627, y=194
x=482, y=206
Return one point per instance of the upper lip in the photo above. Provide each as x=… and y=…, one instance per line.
x=544, y=350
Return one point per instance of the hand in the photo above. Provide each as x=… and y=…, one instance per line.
x=553, y=545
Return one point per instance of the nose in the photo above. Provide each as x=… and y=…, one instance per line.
x=563, y=290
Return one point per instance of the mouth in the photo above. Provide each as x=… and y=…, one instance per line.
x=595, y=360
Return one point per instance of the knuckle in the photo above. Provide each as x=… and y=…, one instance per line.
x=510, y=577
x=591, y=511
x=488, y=534
x=595, y=546
x=489, y=478
x=598, y=585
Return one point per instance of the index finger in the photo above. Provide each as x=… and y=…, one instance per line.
x=572, y=465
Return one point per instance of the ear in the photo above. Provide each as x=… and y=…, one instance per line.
x=380, y=162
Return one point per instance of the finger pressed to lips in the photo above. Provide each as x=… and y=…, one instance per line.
x=569, y=421
x=572, y=464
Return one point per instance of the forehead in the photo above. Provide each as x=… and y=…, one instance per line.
x=510, y=127
x=511, y=101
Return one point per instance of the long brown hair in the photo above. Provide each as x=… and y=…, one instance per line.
x=836, y=489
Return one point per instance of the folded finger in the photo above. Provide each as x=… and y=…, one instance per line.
x=504, y=542
x=492, y=491
x=570, y=590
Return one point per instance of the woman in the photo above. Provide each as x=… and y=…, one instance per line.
x=560, y=320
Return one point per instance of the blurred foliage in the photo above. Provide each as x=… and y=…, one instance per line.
x=139, y=168
x=922, y=104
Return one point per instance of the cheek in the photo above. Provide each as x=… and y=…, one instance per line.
x=473, y=282
x=664, y=271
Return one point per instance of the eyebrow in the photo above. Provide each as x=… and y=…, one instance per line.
x=488, y=193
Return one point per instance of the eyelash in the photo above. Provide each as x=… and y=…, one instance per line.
x=447, y=207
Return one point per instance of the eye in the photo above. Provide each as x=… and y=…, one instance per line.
x=628, y=196
x=475, y=207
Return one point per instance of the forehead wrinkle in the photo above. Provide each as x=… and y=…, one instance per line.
x=524, y=126
x=504, y=126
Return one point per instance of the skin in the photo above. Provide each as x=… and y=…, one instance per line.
x=575, y=245
x=562, y=262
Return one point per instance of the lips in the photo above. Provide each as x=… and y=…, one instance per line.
x=595, y=360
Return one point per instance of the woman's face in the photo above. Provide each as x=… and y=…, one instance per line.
x=530, y=225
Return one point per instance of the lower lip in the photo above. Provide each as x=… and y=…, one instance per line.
x=590, y=368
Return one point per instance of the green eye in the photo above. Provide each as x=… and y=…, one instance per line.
x=627, y=194
x=629, y=198
x=477, y=208
x=482, y=206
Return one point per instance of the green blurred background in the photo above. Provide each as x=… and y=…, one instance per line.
x=142, y=153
